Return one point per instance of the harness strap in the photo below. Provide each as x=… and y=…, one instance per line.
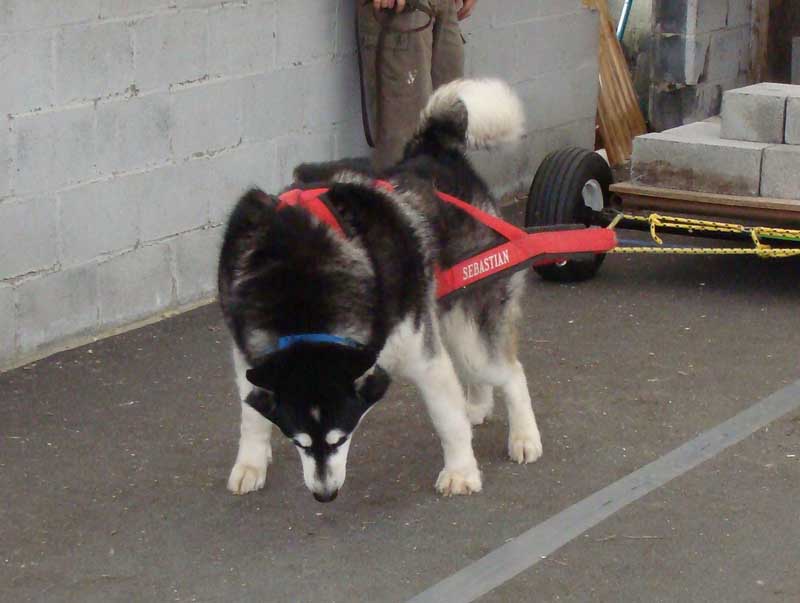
x=531, y=249
x=520, y=250
x=503, y=228
x=309, y=200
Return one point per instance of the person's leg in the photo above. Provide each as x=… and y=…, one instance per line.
x=448, y=45
x=399, y=94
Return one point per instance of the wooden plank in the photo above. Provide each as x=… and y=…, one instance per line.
x=630, y=188
x=619, y=117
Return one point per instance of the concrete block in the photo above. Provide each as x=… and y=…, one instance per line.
x=93, y=61
x=171, y=199
x=513, y=13
x=709, y=16
x=171, y=49
x=54, y=149
x=233, y=172
x=739, y=13
x=242, y=39
x=197, y=3
x=729, y=55
x=534, y=38
x=306, y=31
x=301, y=148
x=133, y=133
x=484, y=19
x=5, y=157
x=796, y=60
x=110, y=9
x=328, y=97
x=350, y=139
x=272, y=104
x=757, y=112
x=671, y=16
x=28, y=236
x=19, y=15
x=196, y=259
x=695, y=158
x=680, y=59
x=538, y=39
x=96, y=219
x=135, y=285
x=698, y=57
x=674, y=107
x=561, y=97
x=26, y=68
x=8, y=325
x=346, y=31
x=56, y=306
x=207, y=117
x=780, y=174
x=792, y=134
x=488, y=59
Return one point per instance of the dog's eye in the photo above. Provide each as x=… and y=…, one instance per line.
x=339, y=442
x=299, y=445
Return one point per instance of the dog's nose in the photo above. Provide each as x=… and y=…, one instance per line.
x=327, y=497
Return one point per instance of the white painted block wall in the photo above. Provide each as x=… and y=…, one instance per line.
x=129, y=127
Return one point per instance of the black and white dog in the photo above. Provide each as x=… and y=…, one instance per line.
x=320, y=319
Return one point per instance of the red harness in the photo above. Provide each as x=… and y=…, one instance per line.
x=520, y=248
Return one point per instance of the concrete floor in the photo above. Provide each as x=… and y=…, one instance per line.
x=114, y=456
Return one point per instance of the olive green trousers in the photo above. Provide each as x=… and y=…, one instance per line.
x=411, y=66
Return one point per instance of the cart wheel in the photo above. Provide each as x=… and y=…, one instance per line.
x=569, y=187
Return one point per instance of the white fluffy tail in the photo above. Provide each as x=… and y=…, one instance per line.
x=494, y=112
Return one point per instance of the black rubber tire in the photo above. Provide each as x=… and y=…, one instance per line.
x=555, y=198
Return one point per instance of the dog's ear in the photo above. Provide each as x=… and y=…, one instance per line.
x=374, y=386
x=265, y=375
x=263, y=402
x=354, y=362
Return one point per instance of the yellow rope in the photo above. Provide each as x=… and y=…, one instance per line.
x=692, y=225
x=765, y=253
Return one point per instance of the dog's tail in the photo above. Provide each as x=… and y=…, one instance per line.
x=469, y=113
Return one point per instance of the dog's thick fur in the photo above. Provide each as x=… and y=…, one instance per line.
x=285, y=273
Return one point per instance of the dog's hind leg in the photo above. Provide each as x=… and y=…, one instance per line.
x=480, y=401
x=420, y=356
x=488, y=358
x=255, y=452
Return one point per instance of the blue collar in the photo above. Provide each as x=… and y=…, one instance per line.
x=289, y=340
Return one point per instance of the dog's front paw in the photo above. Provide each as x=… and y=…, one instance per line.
x=451, y=483
x=525, y=447
x=246, y=478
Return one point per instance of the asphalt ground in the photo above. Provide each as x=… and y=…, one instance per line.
x=114, y=457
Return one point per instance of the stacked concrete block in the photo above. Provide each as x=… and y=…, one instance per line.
x=754, y=150
x=780, y=174
x=694, y=157
x=129, y=129
x=757, y=113
x=793, y=120
x=700, y=48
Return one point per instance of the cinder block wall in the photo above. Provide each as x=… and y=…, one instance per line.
x=701, y=48
x=128, y=128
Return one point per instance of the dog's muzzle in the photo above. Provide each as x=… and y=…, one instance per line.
x=326, y=497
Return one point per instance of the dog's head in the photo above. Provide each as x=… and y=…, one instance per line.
x=316, y=394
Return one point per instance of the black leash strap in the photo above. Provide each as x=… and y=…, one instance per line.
x=384, y=19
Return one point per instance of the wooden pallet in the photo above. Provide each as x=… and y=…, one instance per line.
x=618, y=114
x=760, y=210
